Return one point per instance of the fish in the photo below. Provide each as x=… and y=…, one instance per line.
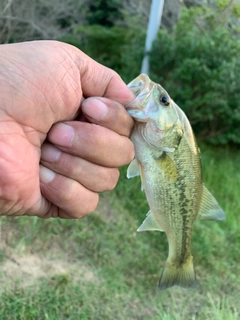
x=168, y=161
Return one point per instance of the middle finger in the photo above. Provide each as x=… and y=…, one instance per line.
x=92, y=142
x=92, y=176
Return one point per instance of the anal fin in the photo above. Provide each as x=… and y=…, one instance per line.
x=149, y=223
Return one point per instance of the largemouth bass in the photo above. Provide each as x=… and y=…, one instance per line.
x=168, y=160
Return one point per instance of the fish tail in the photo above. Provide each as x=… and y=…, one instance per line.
x=178, y=275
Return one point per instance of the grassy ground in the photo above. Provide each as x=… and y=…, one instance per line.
x=100, y=268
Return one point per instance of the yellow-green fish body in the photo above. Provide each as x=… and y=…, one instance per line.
x=168, y=161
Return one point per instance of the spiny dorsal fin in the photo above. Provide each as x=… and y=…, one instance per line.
x=209, y=208
x=149, y=223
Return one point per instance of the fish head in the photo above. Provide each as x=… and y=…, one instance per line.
x=153, y=110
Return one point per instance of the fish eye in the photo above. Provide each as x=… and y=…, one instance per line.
x=164, y=99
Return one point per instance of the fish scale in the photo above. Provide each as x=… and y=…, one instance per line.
x=168, y=160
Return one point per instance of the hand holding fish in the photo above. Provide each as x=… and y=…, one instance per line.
x=64, y=130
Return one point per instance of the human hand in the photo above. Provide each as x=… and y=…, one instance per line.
x=43, y=83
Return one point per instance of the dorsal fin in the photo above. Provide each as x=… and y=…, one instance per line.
x=209, y=208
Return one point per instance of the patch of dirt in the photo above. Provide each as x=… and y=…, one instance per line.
x=28, y=268
x=25, y=267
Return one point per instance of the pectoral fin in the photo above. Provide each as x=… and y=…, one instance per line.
x=133, y=169
x=210, y=209
x=149, y=223
x=166, y=149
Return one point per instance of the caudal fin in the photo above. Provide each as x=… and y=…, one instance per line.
x=178, y=275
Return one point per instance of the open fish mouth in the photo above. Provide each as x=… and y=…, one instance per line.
x=136, y=87
x=142, y=87
x=139, y=84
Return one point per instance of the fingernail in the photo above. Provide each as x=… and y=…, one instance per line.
x=46, y=175
x=50, y=153
x=94, y=108
x=61, y=134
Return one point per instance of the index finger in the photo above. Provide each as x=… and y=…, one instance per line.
x=115, y=116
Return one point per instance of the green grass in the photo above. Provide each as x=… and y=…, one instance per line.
x=111, y=272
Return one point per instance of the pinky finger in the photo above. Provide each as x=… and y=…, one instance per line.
x=68, y=198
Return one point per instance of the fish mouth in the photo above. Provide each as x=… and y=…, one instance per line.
x=142, y=87
x=139, y=84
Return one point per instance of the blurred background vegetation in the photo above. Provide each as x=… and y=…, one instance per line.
x=196, y=58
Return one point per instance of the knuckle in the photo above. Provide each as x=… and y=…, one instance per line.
x=71, y=168
x=129, y=152
x=97, y=139
x=70, y=195
x=111, y=179
x=91, y=204
x=82, y=202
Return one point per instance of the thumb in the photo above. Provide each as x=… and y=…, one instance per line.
x=98, y=80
